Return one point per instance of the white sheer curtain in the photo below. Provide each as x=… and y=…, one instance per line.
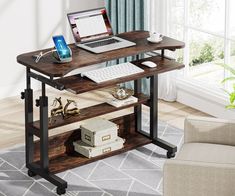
x=158, y=23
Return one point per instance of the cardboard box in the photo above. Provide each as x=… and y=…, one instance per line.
x=98, y=132
x=90, y=152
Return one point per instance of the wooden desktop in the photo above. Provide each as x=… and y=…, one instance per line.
x=55, y=154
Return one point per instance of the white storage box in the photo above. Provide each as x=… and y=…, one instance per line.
x=90, y=152
x=98, y=132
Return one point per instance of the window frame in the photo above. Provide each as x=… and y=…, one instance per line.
x=187, y=27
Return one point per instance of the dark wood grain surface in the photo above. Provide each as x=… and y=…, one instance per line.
x=63, y=142
x=90, y=112
x=65, y=161
x=61, y=151
x=83, y=58
x=77, y=84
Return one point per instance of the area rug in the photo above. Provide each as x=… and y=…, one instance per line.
x=134, y=173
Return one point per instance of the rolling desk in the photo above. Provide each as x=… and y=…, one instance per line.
x=55, y=154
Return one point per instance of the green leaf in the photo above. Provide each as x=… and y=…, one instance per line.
x=228, y=79
x=230, y=107
x=226, y=91
x=232, y=97
x=227, y=67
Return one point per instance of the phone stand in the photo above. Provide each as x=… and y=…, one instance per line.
x=59, y=60
x=55, y=55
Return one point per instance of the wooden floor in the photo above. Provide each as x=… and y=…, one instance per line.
x=12, y=114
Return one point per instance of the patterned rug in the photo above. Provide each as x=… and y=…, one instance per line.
x=134, y=173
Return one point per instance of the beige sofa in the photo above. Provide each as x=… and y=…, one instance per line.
x=205, y=165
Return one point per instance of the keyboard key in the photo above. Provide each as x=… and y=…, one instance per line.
x=102, y=43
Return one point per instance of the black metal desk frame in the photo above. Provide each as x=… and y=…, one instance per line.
x=42, y=169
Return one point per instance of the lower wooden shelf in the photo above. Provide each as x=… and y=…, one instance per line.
x=61, y=151
x=64, y=162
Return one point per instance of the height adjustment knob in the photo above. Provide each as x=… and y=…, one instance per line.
x=37, y=103
x=22, y=95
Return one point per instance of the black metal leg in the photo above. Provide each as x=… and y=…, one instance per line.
x=138, y=109
x=163, y=53
x=43, y=169
x=171, y=149
x=29, y=119
x=29, y=137
x=154, y=106
x=60, y=183
x=43, y=102
x=36, y=169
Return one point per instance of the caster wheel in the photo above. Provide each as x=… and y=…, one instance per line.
x=31, y=174
x=60, y=191
x=170, y=155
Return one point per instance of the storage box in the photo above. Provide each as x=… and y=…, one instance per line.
x=98, y=132
x=89, y=152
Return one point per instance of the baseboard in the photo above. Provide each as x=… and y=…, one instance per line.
x=204, y=100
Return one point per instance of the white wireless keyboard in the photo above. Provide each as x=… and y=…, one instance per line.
x=112, y=72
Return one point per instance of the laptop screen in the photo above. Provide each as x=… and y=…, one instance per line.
x=90, y=25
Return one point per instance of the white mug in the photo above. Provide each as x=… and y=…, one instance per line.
x=155, y=36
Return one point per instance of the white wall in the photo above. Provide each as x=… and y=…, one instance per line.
x=27, y=25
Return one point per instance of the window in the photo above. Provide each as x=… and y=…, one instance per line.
x=208, y=29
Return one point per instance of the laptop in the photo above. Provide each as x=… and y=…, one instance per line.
x=92, y=31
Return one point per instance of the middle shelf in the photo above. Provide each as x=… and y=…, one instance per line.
x=90, y=112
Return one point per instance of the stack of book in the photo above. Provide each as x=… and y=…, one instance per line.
x=98, y=136
x=120, y=103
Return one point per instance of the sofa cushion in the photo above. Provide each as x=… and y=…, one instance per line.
x=210, y=153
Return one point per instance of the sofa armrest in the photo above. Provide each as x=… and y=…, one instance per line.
x=198, y=178
x=209, y=130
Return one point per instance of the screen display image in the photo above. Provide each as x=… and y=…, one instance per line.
x=90, y=25
x=61, y=47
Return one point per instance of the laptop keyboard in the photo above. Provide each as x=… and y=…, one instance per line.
x=102, y=43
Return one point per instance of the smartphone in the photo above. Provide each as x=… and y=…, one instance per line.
x=61, y=47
